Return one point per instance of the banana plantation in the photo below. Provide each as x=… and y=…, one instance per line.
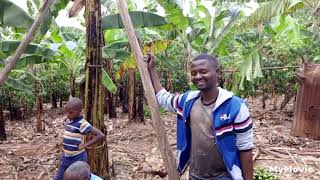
x=52, y=51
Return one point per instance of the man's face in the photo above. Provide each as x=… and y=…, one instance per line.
x=204, y=74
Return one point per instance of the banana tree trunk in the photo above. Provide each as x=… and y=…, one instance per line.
x=98, y=154
x=110, y=98
x=40, y=123
x=105, y=101
x=112, y=105
x=131, y=95
x=140, y=99
x=60, y=101
x=104, y=89
x=54, y=100
x=72, y=85
x=3, y=135
x=123, y=95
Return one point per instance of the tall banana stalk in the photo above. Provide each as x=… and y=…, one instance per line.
x=98, y=154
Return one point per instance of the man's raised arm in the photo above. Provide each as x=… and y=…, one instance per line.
x=153, y=73
x=164, y=98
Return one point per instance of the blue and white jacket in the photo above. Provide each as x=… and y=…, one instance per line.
x=231, y=122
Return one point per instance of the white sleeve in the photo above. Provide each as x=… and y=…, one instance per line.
x=167, y=100
x=243, y=129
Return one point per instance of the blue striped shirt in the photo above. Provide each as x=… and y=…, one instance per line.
x=73, y=135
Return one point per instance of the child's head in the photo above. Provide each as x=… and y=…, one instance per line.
x=78, y=170
x=73, y=107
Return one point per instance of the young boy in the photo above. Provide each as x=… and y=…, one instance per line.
x=79, y=171
x=75, y=130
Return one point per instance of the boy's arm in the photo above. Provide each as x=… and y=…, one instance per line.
x=244, y=141
x=97, y=135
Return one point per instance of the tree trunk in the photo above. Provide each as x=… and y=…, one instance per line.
x=140, y=99
x=54, y=100
x=106, y=67
x=15, y=112
x=112, y=105
x=72, y=85
x=131, y=95
x=124, y=96
x=40, y=123
x=110, y=98
x=105, y=100
x=98, y=155
x=60, y=103
x=3, y=135
x=82, y=91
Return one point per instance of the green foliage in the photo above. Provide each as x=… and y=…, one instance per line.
x=147, y=112
x=10, y=46
x=17, y=85
x=139, y=19
x=57, y=6
x=32, y=59
x=108, y=83
x=272, y=9
x=12, y=15
x=263, y=174
x=54, y=80
x=174, y=13
x=18, y=91
x=118, y=53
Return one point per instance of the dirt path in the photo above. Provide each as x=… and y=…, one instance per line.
x=133, y=150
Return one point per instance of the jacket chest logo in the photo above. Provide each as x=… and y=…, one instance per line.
x=224, y=117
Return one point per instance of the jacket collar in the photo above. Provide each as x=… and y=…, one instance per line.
x=222, y=96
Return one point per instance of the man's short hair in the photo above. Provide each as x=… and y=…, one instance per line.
x=208, y=57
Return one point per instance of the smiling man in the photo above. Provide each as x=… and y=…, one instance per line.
x=214, y=129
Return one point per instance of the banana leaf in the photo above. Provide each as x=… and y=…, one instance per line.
x=15, y=84
x=111, y=53
x=9, y=47
x=139, y=19
x=108, y=83
x=14, y=16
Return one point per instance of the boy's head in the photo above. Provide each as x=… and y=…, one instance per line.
x=73, y=107
x=78, y=170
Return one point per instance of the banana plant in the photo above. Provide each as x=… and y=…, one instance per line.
x=275, y=8
x=69, y=42
x=154, y=47
x=14, y=16
x=140, y=19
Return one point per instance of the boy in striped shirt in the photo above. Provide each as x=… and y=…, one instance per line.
x=75, y=130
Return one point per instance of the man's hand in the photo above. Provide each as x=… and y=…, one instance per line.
x=150, y=59
x=153, y=72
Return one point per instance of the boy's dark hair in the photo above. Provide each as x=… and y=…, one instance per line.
x=75, y=102
x=78, y=170
x=208, y=57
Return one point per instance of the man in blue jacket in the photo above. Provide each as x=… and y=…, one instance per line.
x=214, y=129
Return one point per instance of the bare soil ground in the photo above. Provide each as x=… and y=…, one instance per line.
x=134, y=152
